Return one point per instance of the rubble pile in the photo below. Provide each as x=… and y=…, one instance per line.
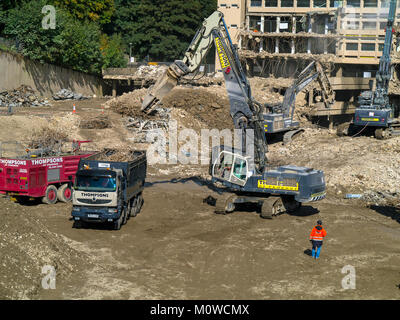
x=361, y=165
x=55, y=134
x=125, y=154
x=65, y=94
x=128, y=104
x=150, y=71
x=24, y=96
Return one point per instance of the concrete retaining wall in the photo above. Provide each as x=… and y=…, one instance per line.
x=46, y=79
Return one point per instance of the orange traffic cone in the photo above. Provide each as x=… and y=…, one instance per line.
x=74, y=109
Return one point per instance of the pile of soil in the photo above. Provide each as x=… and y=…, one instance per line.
x=129, y=104
x=26, y=246
x=201, y=104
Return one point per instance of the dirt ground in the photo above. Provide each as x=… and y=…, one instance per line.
x=177, y=248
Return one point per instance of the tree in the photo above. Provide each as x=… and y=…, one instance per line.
x=99, y=11
x=71, y=44
x=6, y=5
x=112, y=51
x=162, y=29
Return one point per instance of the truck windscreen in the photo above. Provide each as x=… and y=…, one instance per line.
x=95, y=183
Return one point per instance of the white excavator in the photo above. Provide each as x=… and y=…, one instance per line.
x=248, y=177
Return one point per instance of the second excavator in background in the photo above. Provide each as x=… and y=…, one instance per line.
x=243, y=171
x=279, y=118
x=375, y=110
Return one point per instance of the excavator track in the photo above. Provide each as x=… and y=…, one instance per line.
x=272, y=207
x=343, y=129
x=291, y=135
x=382, y=134
x=225, y=204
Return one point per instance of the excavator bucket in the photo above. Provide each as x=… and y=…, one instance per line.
x=161, y=88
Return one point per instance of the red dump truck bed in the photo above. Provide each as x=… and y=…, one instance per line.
x=45, y=177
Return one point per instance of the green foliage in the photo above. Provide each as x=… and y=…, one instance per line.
x=72, y=43
x=93, y=10
x=161, y=29
x=113, y=52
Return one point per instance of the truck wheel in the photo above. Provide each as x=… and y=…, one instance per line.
x=64, y=193
x=125, y=216
x=132, y=208
x=140, y=202
x=50, y=196
x=77, y=224
x=117, y=223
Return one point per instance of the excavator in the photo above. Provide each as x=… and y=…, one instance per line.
x=375, y=110
x=279, y=117
x=243, y=171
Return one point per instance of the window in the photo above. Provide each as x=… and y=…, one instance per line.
x=373, y=16
x=352, y=46
x=385, y=3
x=353, y=3
x=287, y=3
x=380, y=48
x=255, y=3
x=320, y=3
x=239, y=169
x=270, y=24
x=369, y=25
x=303, y=3
x=254, y=23
x=95, y=183
x=336, y=3
x=271, y=3
x=370, y=3
x=235, y=5
x=234, y=26
x=368, y=46
x=351, y=25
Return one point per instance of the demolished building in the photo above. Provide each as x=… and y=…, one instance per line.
x=278, y=38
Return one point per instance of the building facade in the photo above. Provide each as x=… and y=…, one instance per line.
x=279, y=37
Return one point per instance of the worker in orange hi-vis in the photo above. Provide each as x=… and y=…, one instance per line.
x=316, y=237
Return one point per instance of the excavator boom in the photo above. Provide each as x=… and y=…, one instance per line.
x=244, y=110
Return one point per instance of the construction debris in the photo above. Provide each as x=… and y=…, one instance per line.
x=150, y=71
x=23, y=96
x=97, y=122
x=252, y=34
x=323, y=59
x=47, y=138
x=65, y=94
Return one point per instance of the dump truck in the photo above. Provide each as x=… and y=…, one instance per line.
x=40, y=173
x=108, y=191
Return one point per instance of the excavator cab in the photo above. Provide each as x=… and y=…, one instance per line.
x=230, y=167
